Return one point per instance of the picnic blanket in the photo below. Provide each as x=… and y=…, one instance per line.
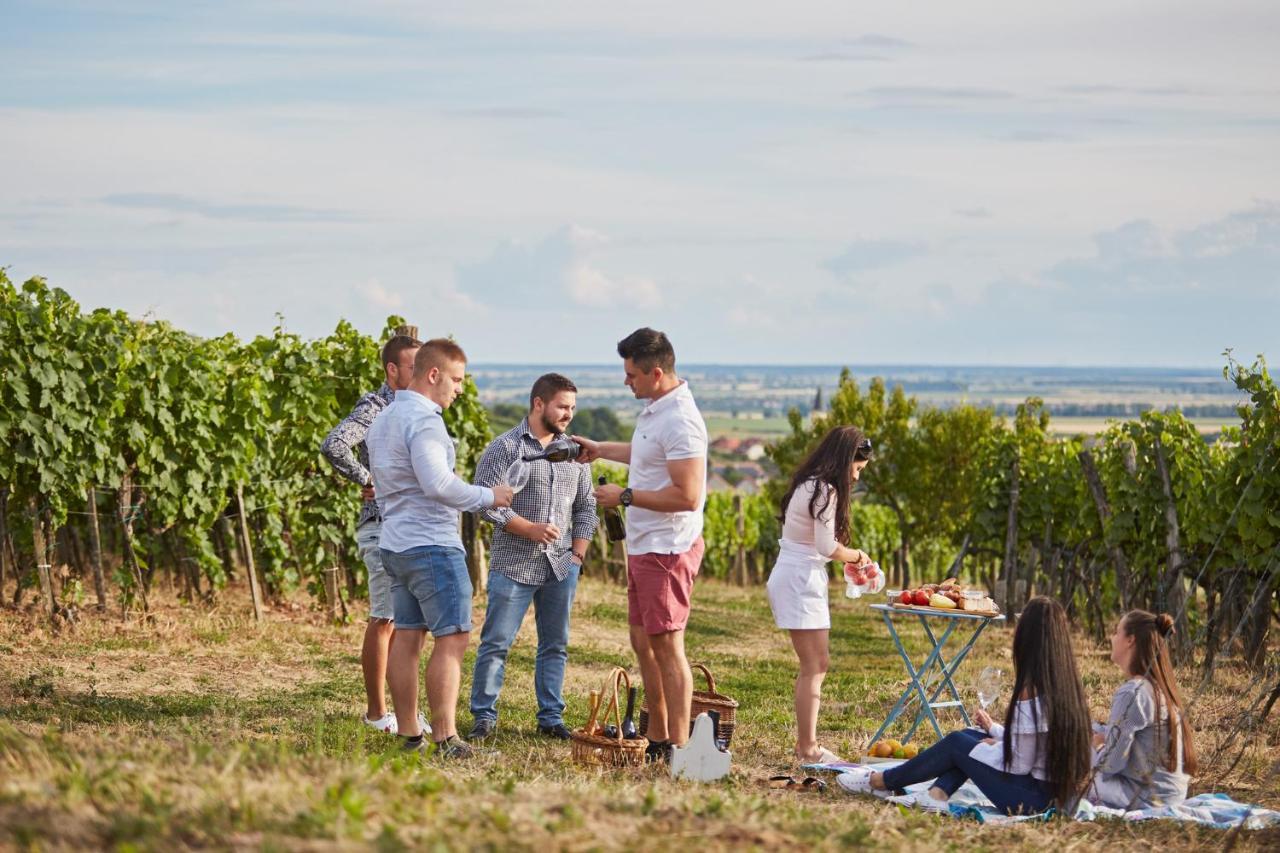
x=1216, y=810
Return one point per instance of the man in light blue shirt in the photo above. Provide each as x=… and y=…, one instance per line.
x=411, y=457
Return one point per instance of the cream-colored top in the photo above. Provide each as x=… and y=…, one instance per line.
x=802, y=528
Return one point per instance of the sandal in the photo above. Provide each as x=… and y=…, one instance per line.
x=812, y=785
x=783, y=782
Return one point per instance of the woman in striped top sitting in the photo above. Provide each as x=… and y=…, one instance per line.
x=1145, y=755
x=1038, y=758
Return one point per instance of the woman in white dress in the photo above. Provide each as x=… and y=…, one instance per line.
x=815, y=526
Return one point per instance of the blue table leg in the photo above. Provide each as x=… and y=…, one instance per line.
x=947, y=669
x=902, y=700
x=929, y=663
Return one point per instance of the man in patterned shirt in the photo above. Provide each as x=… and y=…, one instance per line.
x=538, y=546
x=345, y=449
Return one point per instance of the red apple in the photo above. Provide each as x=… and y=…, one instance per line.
x=906, y=597
x=920, y=596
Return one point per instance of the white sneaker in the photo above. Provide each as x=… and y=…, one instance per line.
x=857, y=780
x=423, y=725
x=924, y=801
x=386, y=723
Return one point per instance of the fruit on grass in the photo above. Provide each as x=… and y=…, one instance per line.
x=881, y=750
x=900, y=752
x=910, y=750
x=942, y=602
x=894, y=745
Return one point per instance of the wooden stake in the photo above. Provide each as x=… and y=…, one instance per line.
x=42, y=559
x=1006, y=589
x=1171, y=591
x=1099, y=493
x=254, y=589
x=95, y=550
x=739, y=556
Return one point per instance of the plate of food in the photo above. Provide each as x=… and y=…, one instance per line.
x=949, y=596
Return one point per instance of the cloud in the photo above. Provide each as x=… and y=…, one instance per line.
x=936, y=93
x=170, y=203
x=379, y=296
x=562, y=266
x=844, y=56
x=862, y=255
x=972, y=212
x=1237, y=255
x=504, y=113
x=1034, y=136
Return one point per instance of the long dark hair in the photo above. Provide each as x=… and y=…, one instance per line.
x=830, y=463
x=1044, y=666
x=1151, y=661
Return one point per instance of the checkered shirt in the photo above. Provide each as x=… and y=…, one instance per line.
x=345, y=449
x=559, y=492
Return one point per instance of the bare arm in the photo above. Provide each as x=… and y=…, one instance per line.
x=614, y=451
x=683, y=495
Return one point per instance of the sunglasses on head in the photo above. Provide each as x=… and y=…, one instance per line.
x=863, y=450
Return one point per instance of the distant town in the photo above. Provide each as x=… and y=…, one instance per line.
x=746, y=406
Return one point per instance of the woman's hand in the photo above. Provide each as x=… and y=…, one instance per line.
x=983, y=719
x=1099, y=740
x=857, y=558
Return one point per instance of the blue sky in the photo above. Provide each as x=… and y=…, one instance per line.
x=820, y=182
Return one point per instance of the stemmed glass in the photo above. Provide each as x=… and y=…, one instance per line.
x=990, y=682
x=517, y=476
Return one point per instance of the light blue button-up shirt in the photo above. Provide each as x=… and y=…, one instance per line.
x=411, y=457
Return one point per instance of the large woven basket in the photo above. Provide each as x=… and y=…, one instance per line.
x=594, y=749
x=703, y=700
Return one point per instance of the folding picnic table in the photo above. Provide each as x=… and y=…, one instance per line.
x=936, y=672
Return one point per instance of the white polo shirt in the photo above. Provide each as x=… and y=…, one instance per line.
x=670, y=427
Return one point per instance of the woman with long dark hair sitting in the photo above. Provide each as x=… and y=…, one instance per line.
x=815, y=526
x=1039, y=757
x=1145, y=753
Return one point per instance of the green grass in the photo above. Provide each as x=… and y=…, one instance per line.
x=205, y=730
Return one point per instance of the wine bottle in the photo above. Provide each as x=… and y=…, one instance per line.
x=715, y=729
x=593, y=725
x=628, y=722
x=559, y=450
x=614, y=526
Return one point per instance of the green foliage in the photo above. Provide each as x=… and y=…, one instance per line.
x=105, y=400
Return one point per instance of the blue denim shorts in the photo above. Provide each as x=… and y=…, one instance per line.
x=430, y=589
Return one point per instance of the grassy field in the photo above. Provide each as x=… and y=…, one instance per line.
x=202, y=730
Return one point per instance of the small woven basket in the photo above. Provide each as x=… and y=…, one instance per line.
x=704, y=700
x=591, y=748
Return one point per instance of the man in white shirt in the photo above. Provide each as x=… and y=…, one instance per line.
x=411, y=457
x=665, y=494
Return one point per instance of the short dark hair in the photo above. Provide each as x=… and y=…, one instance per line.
x=648, y=348
x=548, y=385
x=437, y=352
x=398, y=344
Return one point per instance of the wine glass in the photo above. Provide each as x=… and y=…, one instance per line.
x=517, y=476
x=990, y=681
x=567, y=504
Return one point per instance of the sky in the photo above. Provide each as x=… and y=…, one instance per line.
x=1086, y=183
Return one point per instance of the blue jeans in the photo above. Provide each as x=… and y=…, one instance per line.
x=508, y=602
x=949, y=763
x=430, y=589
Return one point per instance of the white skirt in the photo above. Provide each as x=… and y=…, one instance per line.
x=798, y=588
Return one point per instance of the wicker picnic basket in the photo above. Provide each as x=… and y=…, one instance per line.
x=592, y=748
x=703, y=701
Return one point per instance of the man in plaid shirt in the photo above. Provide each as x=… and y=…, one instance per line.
x=538, y=547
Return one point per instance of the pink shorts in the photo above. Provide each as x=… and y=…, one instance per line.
x=659, y=589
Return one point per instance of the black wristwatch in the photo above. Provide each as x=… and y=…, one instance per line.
x=626, y=497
